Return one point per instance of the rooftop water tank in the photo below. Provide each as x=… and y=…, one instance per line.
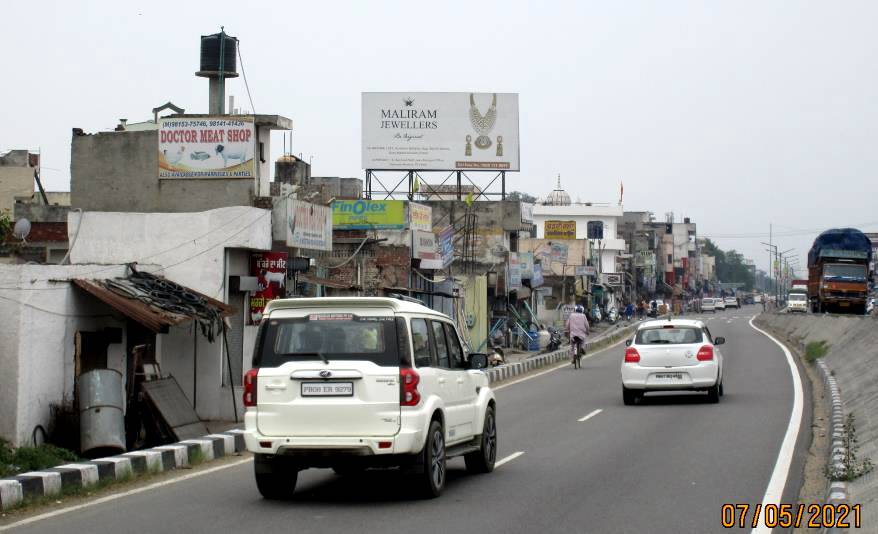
x=210, y=54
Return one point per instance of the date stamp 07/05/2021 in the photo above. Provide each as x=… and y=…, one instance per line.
x=791, y=516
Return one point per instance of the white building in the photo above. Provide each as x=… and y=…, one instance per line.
x=559, y=212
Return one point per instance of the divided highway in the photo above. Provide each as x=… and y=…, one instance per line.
x=576, y=460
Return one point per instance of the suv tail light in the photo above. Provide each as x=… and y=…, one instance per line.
x=631, y=355
x=408, y=387
x=250, y=388
x=705, y=353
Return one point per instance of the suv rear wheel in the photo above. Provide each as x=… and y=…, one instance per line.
x=482, y=460
x=431, y=482
x=275, y=477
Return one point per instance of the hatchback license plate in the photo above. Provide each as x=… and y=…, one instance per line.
x=669, y=376
x=327, y=389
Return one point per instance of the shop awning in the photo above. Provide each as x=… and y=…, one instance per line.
x=157, y=303
x=326, y=282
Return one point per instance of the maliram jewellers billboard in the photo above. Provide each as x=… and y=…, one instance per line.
x=440, y=131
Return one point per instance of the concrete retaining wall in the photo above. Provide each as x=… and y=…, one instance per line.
x=851, y=372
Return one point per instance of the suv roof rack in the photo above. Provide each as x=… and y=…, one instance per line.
x=406, y=298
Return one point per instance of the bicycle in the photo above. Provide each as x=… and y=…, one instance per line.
x=578, y=351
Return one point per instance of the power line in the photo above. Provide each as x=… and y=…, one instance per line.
x=246, y=85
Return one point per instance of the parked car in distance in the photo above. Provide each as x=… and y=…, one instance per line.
x=669, y=355
x=731, y=302
x=719, y=304
x=708, y=305
x=351, y=383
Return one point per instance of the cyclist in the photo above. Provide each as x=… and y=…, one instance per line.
x=577, y=330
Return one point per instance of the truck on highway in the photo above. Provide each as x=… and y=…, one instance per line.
x=838, y=271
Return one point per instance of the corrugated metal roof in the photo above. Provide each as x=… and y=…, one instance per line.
x=151, y=316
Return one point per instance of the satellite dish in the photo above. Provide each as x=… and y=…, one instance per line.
x=21, y=229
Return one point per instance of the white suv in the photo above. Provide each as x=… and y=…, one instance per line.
x=672, y=355
x=350, y=383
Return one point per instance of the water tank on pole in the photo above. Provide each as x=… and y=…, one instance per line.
x=211, y=46
x=101, y=420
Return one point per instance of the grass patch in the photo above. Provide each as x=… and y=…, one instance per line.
x=815, y=350
x=23, y=459
x=852, y=467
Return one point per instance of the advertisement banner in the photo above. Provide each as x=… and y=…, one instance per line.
x=537, y=279
x=514, y=272
x=526, y=264
x=560, y=229
x=210, y=147
x=270, y=270
x=559, y=253
x=424, y=245
x=420, y=217
x=612, y=279
x=368, y=214
x=586, y=270
x=309, y=225
x=440, y=131
x=446, y=245
x=527, y=212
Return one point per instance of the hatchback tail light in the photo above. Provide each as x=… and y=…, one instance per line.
x=408, y=387
x=250, y=388
x=705, y=354
x=631, y=355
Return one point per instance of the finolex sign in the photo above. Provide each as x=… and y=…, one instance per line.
x=368, y=214
x=440, y=131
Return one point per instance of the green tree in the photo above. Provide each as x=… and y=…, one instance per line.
x=730, y=266
x=523, y=197
x=5, y=225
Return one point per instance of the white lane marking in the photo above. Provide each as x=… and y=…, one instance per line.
x=115, y=496
x=589, y=416
x=508, y=459
x=565, y=363
x=774, y=491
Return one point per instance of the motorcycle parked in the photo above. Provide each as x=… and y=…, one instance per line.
x=555, y=339
x=613, y=315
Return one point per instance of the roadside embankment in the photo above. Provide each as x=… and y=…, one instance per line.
x=851, y=364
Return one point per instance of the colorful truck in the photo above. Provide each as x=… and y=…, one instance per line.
x=838, y=271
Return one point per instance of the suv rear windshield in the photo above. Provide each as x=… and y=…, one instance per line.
x=333, y=336
x=798, y=296
x=668, y=336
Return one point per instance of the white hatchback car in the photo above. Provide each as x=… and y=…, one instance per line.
x=672, y=355
x=708, y=305
x=731, y=302
x=350, y=383
x=719, y=304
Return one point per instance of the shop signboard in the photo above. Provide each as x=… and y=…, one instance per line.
x=309, y=225
x=446, y=245
x=537, y=279
x=514, y=271
x=560, y=229
x=366, y=214
x=420, y=217
x=207, y=147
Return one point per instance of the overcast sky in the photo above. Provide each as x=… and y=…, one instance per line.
x=736, y=114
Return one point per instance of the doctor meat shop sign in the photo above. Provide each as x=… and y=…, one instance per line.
x=207, y=148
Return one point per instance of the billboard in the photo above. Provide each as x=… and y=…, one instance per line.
x=560, y=230
x=440, y=131
x=270, y=270
x=368, y=214
x=209, y=147
x=420, y=217
x=308, y=225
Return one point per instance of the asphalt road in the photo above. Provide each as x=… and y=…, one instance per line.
x=667, y=465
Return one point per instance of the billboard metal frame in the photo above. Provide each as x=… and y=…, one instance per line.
x=405, y=186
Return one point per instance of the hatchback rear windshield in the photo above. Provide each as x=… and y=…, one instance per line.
x=668, y=336
x=707, y=301
x=333, y=336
